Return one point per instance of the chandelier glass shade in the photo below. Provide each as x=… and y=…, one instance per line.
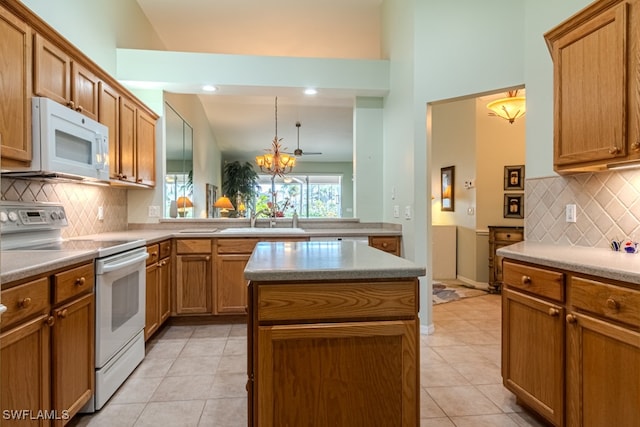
x=509, y=108
x=275, y=162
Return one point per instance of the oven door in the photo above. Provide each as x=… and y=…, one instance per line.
x=120, y=301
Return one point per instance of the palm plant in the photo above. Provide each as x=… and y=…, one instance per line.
x=240, y=183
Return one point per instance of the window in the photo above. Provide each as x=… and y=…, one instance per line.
x=311, y=196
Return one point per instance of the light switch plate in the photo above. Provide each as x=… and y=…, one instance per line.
x=396, y=211
x=407, y=212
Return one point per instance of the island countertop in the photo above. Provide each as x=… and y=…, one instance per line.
x=333, y=260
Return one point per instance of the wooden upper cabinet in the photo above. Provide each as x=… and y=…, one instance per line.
x=596, y=104
x=109, y=115
x=84, y=90
x=145, y=149
x=52, y=71
x=127, y=154
x=15, y=90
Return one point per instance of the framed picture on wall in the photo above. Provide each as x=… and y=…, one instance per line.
x=514, y=177
x=447, y=188
x=513, y=205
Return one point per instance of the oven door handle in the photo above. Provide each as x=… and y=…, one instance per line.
x=108, y=268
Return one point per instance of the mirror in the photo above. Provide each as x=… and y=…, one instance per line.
x=179, y=166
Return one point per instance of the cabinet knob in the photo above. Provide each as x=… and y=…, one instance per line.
x=50, y=320
x=613, y=304
x=614, y=150
x=207, y=258
x=62, y=313
x=79, y=109
x=635, y=146
x=25, y=303
x=554, y=312
x=525, y=280
x=571, y=318
x=71, y=104
x=80, y=281
x=139, y=180
x=385, y=244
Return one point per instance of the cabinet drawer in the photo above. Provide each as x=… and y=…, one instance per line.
x=609, y=301
x=509, y=235
x=236, y=246
x=388, y=244
x=25, y=300
x=193, y=246
x=73, y=282
x=333, y=301
x=538, y=281
x=165, y=249
x=154, y=254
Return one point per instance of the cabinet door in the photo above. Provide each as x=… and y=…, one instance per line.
x=15, y=90
x=165, y=289
x=84, y=90
x=25, y=371
x=73, y=355
x=590, y=89
x=52, y=71
x=145, y=149
x=109, y=115
x=533, y=353
x=193, y=284
x=231, y=286
x=351, y=374
x=152, y=306
x=127, y=140
x=603, y=373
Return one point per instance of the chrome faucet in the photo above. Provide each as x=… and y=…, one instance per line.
x=272, y=222
x=252, y=219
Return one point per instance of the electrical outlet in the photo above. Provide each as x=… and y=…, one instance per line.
x=471, y=211
x=396, y=211
x=100, y=213
x=154, y=211
x=570, y=213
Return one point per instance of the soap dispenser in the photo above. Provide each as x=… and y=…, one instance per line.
x=295, y=219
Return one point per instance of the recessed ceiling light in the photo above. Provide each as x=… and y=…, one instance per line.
x=310, y=91
x=209, y=88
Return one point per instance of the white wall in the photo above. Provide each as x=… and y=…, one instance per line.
x=367, y=158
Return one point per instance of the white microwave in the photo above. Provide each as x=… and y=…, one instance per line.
x=66, y=144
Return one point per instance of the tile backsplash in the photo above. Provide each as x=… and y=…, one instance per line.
x=81, y=202
x=608, y=207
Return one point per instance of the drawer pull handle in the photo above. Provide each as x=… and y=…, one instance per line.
x=571, y=318
x=80, y=281
x=62, y=313
x=385, y=244
x=554, y=312
x=51, y=320
x=613, y=304
x=25, y=303
x=525, y=280
x=614, y=150
x=635, y=146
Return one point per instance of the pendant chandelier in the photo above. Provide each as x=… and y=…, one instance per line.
x=509, y=108
x=275, y=162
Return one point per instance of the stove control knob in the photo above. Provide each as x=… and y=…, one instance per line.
x=61, y=215
x=13, y=217
x=54, y=216
x=3, y=217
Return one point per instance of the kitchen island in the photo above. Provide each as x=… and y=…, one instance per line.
x=332, y=335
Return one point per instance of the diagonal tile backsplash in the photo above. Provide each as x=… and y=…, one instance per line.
x=607, y=204
x=81, y=202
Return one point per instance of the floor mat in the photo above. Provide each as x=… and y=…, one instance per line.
x=443, y=293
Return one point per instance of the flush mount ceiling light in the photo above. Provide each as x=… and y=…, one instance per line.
x=276, y=162
x=509, y=108
x=310, y=91
x=209, y=88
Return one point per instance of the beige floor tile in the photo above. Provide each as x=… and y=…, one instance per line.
x=136, y=390
x=238, y=330
x=441, y=375
x=503, y=398
x=183, y=388
x=479, y=337
x=175, y=332
x=429, y=357
x=171, y=414
x=204, y=347
x=480, y=372
x=492, y=353
x=428, y=407
x=212, y=331
x=194, y=366
x=232, y=364
x=462, y=401
x=235, y=347
x=165, y=349
x=439, y=338
x=524, y=419
x=151, y=368
x=229, y=385
x=454, y=354
x=497, y=420
x=456, y=325
x=229, y=412
x=125, y=415
x=436, y=422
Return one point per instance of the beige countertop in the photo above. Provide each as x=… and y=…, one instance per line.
x=17, y=265
x=593, y=261
x=278, y=261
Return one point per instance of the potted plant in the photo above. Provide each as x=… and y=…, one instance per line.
x=240, y=183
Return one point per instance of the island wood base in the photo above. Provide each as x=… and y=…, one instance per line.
x=334, y=353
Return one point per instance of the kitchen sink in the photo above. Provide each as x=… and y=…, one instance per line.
x=199, y=230
x=248, y=230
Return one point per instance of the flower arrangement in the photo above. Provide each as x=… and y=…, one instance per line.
x=273, y=209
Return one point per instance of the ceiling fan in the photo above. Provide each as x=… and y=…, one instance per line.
x=298, y=151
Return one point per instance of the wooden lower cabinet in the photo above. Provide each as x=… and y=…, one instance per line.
x=158, y=287
x=389, y=244
x=25, y=366
x=194, y=280
x=73, y=347
x=231, y=287
x=164, y=274
x=533, y=331
x=337, y=353
x=152, y=297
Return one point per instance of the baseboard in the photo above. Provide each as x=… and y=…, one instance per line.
x=427, y=329
x=477, y=285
